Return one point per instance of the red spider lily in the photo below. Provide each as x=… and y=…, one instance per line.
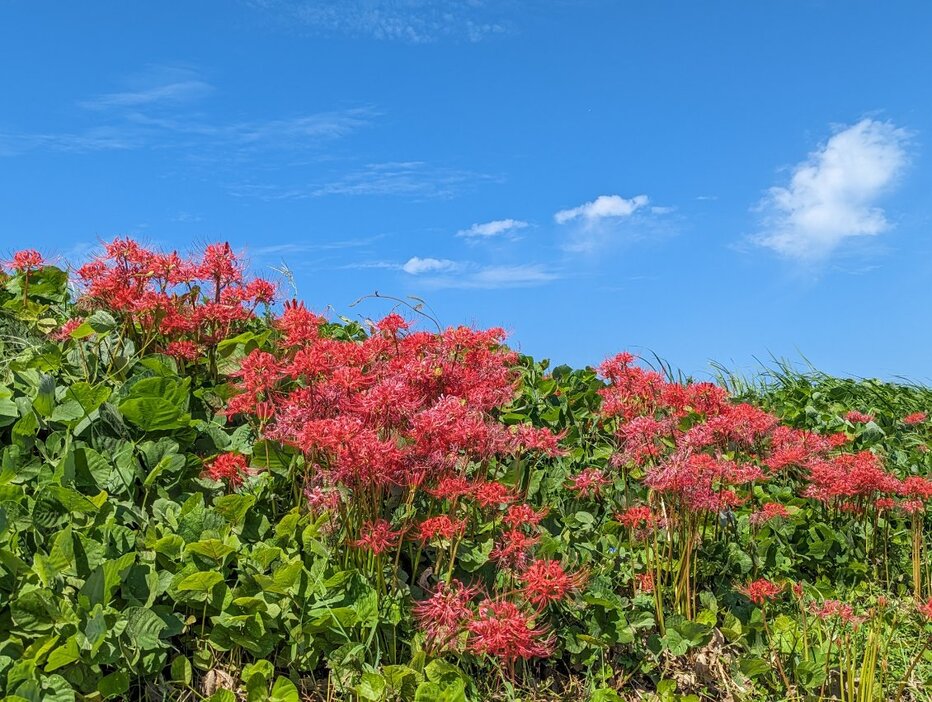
x=502, y=630
x=444, y=615
x=883, y=504
x=183, y=350
x=770, y=510
x=857, y=417
x=644, y=582
x=228, y=467
x=545, y=581
x=636, y=517
x=322, y=500
x=588, y=483
x=63, y=333
x=701, y=482
x=442, y=527
x=848, y=477
x=27, y=260
x=451, y=488
x=761, y=591
x=524, y=515
x=377, y=536
x=915, y=418
x=834, y=608
x=493, y=494
x=912, y=506
x=925, y=609
x=513, y=549
x=917, y=488
x=168, y=298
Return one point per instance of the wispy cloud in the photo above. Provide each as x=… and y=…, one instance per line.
x=304, y=247
x=419, y=266
x=164, y=110
x=495, y=277
x=410, y=21
x=832, y=195
x=415, y=179
x=488, y=230
x=179, y=86
x=609, y=218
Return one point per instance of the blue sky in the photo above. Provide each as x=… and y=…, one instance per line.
x=708, y=181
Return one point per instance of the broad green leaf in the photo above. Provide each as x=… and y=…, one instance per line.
x=201, y=581
x=284, y=691
x=143, y=627
x=113, y=685
x=66, y=654
x=154, y=414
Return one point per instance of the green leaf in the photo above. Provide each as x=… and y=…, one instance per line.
x=66, y=654
x=284, y=691
x=113, y=685
x=213, y=549
x=143, y=627
x=154, y=414
x=45, y=397
x=182, y=672
x=101, y=322
x=201, y=581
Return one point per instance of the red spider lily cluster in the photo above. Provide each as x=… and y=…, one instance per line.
x=494, y=626
x=408, y=418
x=702, y=452
x=183, y=305
x=857, y=417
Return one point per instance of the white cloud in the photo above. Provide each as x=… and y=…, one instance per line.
x=418, y=266
x=492, y=229
x=832, y=195
x=603, y=206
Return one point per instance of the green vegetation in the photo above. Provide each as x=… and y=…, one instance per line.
x=203, y=498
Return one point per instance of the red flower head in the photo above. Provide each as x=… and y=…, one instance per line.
x=377, y=536
x=451, y=488
x=636, y=517
x=513, y=549
x=588, y=483
x=760, y=591
x=915, y=418
x=925, y=609
x=492, y=494
x=524, y=515
x=63, y=333
x=770, y=510
x=644, y=581
x=442, y=527
x=27, y=260
x=834, y=608
x=392, y=324
x=183, y=350
x=856, y=417
x=502, y=630
x=228, y=467
x=546, y=581
x=445, y=613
